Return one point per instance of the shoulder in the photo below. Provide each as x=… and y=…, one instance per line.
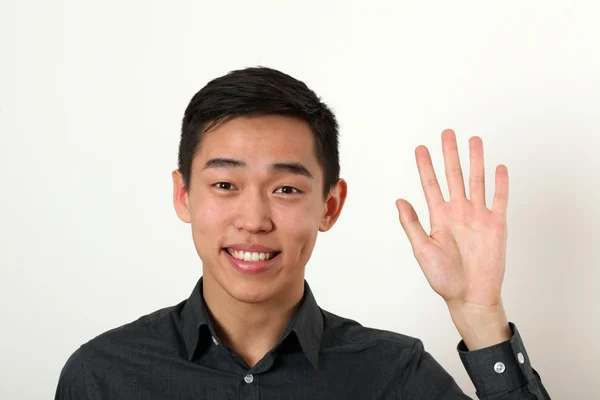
x=393, y=355
x=154, y=323
x=339, y=330
x=113, y=354
x=402, y=355
x=149, y=332
x=71, y=382
x=388, y=356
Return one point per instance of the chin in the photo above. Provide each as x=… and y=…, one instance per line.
x=251, y=289
x=250, y=292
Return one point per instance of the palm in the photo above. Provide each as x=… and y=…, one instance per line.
x=464, y=257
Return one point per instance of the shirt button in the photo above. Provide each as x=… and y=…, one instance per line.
x=499, y=367
x=215, y=341
x=249, y=378
x=521, y=358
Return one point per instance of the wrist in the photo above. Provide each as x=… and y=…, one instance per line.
x=480, y=326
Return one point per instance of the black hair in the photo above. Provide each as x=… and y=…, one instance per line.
x=260, y=91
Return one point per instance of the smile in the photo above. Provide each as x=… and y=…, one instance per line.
x=251, y=256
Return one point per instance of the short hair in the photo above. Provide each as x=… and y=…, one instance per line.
x=260, y=91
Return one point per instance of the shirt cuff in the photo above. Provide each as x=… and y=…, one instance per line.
x=499, y=368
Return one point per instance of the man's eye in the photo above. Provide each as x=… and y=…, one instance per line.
x=224, y=186
x=288, y=190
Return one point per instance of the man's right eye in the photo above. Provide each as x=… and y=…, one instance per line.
x=224, y=186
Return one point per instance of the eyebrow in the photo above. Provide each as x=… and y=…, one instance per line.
x=289, y=167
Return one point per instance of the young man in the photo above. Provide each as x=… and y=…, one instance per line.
x=258, y=178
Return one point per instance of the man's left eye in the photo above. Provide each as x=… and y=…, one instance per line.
x=288, y=190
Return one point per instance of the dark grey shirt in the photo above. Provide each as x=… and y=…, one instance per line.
x=175, y=353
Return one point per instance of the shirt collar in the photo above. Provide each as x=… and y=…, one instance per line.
x=307, y=323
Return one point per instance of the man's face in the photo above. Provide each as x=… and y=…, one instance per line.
x=255, y=182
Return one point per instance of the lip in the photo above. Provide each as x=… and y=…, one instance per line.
x=255, y=248
x=250, y=267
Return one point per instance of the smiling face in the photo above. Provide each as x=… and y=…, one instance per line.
x=255, y=203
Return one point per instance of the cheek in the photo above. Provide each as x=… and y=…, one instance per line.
x=299, y=225
x=208, y=218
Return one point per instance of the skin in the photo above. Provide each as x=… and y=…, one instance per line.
x=463, y=258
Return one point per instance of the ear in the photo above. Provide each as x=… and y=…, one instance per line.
x=333, y=205
x=180, y=197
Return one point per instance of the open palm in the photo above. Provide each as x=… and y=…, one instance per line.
x=464, y=257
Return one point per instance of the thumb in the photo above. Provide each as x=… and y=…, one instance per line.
x=411, y=225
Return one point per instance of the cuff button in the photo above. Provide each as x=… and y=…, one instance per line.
x=499, y=367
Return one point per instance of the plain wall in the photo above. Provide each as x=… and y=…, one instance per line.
x=91, y=99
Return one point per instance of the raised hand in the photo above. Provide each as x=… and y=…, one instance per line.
x=464, y=256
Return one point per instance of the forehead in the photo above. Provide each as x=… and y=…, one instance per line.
x=260, y=140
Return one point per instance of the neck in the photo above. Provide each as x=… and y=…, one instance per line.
x=250, y=329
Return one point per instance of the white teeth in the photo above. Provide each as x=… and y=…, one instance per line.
x=250, y=256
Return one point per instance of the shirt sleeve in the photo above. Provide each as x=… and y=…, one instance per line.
x=503, y=371
x=71, y=382
x=497, y=372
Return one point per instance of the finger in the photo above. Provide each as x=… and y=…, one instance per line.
x=454, y=175
x=429, y=182
x=477, y=172
x=500, y=203
x=411, y=225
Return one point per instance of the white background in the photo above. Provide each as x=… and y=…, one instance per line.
x=91, y=99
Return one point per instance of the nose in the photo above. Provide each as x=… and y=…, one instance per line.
x=253, y=213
